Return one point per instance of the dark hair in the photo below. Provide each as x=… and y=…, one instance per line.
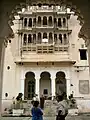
x=35, y=103
x=59, y=98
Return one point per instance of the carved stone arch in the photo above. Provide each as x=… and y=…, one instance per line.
x=42, y=75
x=60, y=83
x=45, y=84
x=39, y=20
x=61, y=74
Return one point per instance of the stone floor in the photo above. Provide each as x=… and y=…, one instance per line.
x=78, y=117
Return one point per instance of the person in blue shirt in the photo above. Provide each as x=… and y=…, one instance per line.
x=36, y=111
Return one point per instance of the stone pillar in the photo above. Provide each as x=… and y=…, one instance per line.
x=41, y=36
x=48, y=21
x=27, y=41
x=3, y=44
x=53, y=38
x=48, y=37
x=53, y=21
x=32, y=23
x=63, y=39
x=37, y=84
x=36, y=21
x=62, y=22
x=41, y=21
x=27, y=22
x=88, y=50
x=68, y=90
x=36, y=38
x=53, y=91
x=57, y=21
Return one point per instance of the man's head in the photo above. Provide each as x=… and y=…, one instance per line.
x=35, y=103
x=59, y=98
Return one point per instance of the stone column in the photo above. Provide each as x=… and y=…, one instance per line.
x=22, y=80
x=53, y=38
x=63, y=39
x=48, y=37
x=3, y=44
x=53, y=91
x=88, y=50
x=27, y=41
x=48, y=21
x=57, y=21
x=41, y=21
x=62, y=22
x=36, y=21
x=68, y=90
x=36, y=38
x=27, y=22
x=37, y=84
x=32, y=22
x=58, y=41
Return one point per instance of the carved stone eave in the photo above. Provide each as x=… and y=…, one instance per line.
x=66, y=3
x=85, y=37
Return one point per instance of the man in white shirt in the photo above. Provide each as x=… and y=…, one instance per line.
x=62, y=108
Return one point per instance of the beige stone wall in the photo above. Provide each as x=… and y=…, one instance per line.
x=13, y=79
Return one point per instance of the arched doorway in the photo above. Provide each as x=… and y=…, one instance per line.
x=60, y=83
x=29, y=86
x=45, y=84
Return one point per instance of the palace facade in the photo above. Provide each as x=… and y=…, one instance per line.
x=46, y=56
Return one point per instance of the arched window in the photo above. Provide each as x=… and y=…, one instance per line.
x=44, y=20
x=25, y=22
x=65, y=38
x=34, y=22
x=29, y=38
x=50, y=38
x=55, y=38
x=25, y=39
x=50, y=21
x=44, y=35
x=34, y=38
x=59, y=22
x=39, y=37
x=64, y=22
x=55, y=22
x=39, y=21
x=30, y=22
x=60, y=37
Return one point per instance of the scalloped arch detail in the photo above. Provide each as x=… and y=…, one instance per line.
x=49, y=2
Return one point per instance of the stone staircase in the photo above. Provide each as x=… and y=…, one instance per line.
x=24, y=109
x=49, y=108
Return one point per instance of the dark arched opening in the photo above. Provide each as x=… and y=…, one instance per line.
x=29, y=86
x=45, y=84
x=60, y=83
